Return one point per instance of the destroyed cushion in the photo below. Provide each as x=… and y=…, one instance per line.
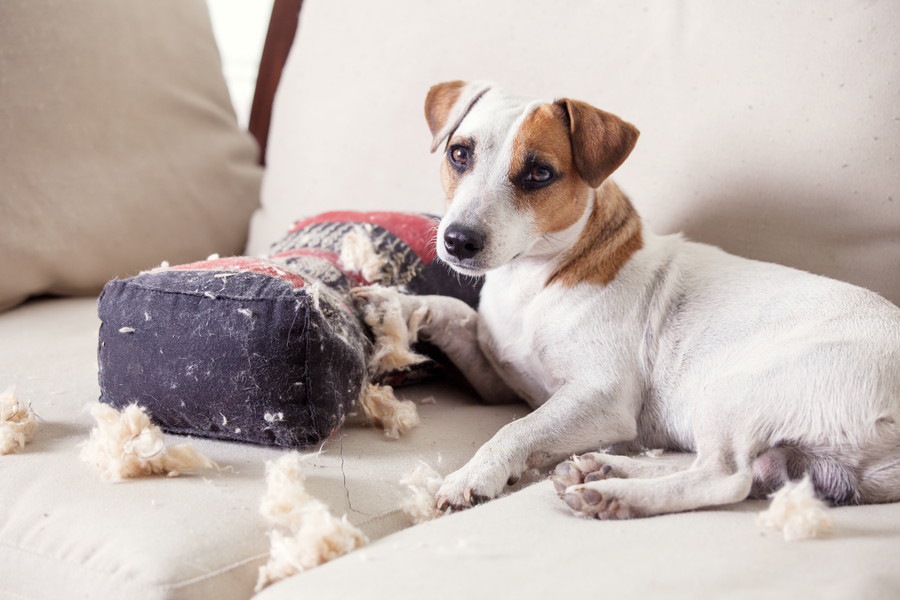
x=268, y=351
x=236, y=349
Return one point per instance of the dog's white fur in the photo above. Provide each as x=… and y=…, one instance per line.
x=762, y=370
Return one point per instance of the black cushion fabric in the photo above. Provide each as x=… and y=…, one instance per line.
x=234, y=349
x=267, y=351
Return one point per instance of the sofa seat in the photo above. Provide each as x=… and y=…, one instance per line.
x=64, y=533
x=527, y=546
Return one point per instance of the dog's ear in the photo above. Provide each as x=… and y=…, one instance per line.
x=601, y=141
x=447, y=104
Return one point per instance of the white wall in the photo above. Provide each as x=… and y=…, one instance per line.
x=240, y=29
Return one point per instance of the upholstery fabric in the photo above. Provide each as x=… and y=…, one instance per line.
x=771, y=131
x=64, y=533
x=235, y=349
x=118, y=144
x=527, y=546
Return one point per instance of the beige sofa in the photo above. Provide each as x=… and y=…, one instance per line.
x=771, y=130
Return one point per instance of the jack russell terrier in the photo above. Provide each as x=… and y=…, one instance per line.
x=620, y=338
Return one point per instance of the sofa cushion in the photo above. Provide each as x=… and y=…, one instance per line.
x=773, y=133
x=235, y=348
x=118, y=144
x=64, y=533
x=529, y=547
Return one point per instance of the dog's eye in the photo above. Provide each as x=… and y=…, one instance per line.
x=459, y=156
x=539, y=176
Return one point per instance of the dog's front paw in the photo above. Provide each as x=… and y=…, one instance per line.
x=589, y=502
x=378, y=299
x=469, y=487
x=580, y=469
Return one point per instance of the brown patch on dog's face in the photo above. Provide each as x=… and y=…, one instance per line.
x=562, y=151
x=543, y=172
x=452, y=171
x=449, y=181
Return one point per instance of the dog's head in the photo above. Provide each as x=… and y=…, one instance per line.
x=516, y=171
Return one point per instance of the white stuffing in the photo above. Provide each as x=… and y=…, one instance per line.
x=382, y=408
x=305, y=534
x=358, y=254
x=314, y=292
x=126, y=329
x=393, y=336
x=17, y=423
x=273, y=417
x=422, y=485
x=127, y=444
x=797, y=512
x=214, y=256
x=163, y=265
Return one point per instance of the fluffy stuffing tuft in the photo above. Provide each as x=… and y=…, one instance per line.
x=127, y=444
x=382, y=408
x=393, y=336
x=797, y=512
x=358, y=255
x=422, y=484
x=305, y=534
x=17, y=423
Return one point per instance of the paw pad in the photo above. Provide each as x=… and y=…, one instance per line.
x=581, y=469
x=590, y=503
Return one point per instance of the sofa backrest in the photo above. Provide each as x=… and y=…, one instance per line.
x=118, y=144
x=771, y=129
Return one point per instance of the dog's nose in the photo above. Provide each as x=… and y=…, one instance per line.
x=463, y=242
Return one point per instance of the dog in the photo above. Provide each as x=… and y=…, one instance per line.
x=622, y=339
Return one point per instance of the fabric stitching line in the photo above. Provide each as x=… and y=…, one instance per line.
x=308, y=333
x=212, y=574
x=286, y=297
x=115, y=577
x=382, y=516
x=74, y=564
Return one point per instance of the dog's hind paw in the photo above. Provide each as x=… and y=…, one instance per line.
x=588, y=502
x=580, y=469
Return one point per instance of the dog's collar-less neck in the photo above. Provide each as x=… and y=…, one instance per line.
x=608, y=239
